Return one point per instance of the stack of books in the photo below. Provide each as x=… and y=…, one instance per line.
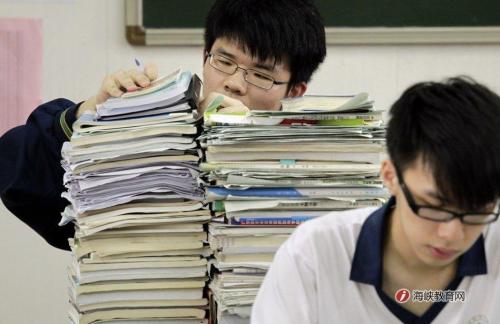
x=132, y=174
x=272, y=170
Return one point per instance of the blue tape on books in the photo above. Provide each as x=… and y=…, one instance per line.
x=255, y=192
x=287, y=162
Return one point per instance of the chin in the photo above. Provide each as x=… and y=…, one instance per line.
x=436, y=261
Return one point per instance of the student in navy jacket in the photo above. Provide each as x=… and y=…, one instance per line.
x=256, y=65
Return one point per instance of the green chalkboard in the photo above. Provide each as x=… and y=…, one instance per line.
x=346, y=21
x=165, y=14
x=346, y=13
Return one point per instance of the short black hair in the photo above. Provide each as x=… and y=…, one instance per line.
x=454, y=126
x=287, y=31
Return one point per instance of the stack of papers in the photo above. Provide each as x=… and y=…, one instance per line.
x=270, y=171
x=132, y=178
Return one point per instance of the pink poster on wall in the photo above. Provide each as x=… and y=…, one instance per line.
x=20, y=70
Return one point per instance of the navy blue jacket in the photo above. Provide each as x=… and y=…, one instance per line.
x=31, y=176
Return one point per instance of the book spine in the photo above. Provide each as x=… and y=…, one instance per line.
x=320, y=117
x=218, y=206
x=217, y=193
x=295, y=220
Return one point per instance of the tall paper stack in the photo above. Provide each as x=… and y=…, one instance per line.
x=132, y=178
x=270, y=171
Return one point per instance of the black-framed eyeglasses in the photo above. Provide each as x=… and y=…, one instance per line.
x=443, y=215
x=252, y=76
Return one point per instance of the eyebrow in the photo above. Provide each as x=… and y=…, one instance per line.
x=435, y=195
x=258, y=65
x=264, y=66
x=442, y=200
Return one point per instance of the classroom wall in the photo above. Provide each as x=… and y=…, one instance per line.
x=84, y=40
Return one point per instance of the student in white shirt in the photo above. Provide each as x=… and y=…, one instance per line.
x=432, y=253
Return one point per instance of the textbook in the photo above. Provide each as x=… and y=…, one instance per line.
x=266, y=221
x=275, y=118
x=296, y=156
x=94, y=166
x=307, y=110
x=151, y=153
x=169, y=95
x=183, y=105
x=144, y=217
x=220, y=242
x=244, y=257
x=134, y=134
x=156, y=85
x=217, y=193
x=321, y=118
x=292, y=145
x=144, y=304
x=161, y=295
x=297, y=204
x=273, y=213
x=139, y=285
x=145, y=243
x=139, y=220
x=264, y=217
x=235, y=181
x=228, y=229
x=292, y=166
x=359, y=102
x=88, y=122
x=144, y=227
x=165, y=315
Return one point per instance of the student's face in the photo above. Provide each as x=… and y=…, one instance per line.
x=235, y=85
x=427, y=242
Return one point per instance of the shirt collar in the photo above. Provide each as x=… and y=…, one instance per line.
x=366, y=266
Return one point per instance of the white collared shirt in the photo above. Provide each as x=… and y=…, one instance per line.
x=308, y=281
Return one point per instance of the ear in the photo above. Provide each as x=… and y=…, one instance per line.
x=389, y=177
x=297, y=90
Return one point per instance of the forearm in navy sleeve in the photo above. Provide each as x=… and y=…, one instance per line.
x=31, y=176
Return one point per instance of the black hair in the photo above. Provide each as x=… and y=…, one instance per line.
x=284, y=31
x=454, y=127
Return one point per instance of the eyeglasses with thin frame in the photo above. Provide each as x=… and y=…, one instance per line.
x=254, y=77
x=443, y=215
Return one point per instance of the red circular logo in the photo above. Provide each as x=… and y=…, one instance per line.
x=402, y=295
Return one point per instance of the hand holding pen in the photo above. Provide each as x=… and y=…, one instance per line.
x=116, y=84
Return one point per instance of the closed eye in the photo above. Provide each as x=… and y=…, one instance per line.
x=224, y=62
x=261, y=75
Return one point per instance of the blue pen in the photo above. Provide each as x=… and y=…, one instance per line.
x=139, y=64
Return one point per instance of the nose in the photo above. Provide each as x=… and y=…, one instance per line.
x=452, y=230
x=235, y=83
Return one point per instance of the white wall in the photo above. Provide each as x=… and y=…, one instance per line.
x=84, y=40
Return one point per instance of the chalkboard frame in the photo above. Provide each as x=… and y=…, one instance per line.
x=137, y=34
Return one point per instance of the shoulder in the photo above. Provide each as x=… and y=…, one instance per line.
x=334, y=223
x=332, y=235
x=491, y=243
